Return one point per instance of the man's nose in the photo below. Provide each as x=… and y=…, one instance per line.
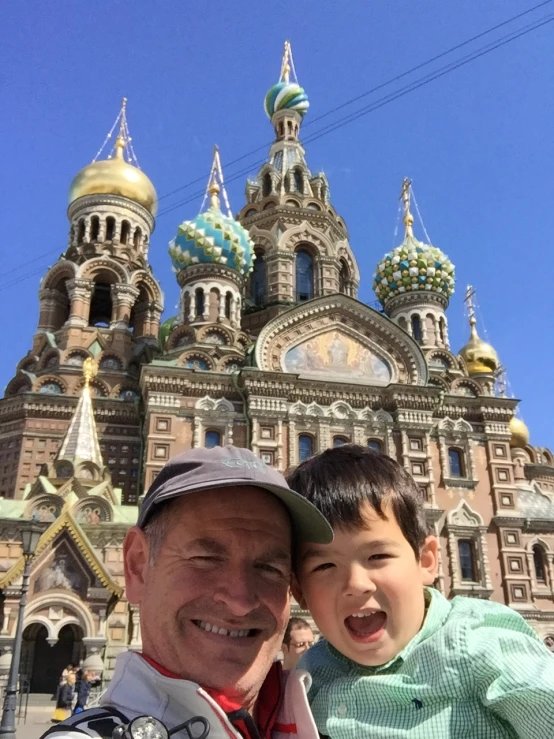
x=358, y=581
x=237, y=591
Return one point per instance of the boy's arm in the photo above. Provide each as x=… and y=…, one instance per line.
x=514, y=674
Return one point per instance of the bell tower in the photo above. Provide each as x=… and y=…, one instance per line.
x=301, y=243
x=99, y=301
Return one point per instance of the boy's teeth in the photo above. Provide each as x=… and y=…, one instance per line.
x=222, y=632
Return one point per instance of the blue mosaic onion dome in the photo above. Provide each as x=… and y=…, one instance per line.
x=413, y=266
x=286, y=96
x=212, y=238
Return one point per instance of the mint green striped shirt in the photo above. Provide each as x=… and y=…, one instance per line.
x=475, y=670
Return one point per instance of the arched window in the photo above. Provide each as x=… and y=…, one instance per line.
x=50, y=388
x=101, y=305
x=416, y=328
x=339, y=441
x=304, y=276
x=267, y=185
x=110, y=228
x=456, y=463
x=281, y=129
x=466, y=553
x=125, y=232
x=305, y=446
x=228, y=300
x=344, y=278
x=94, y=228
x=289, y=127
x=137, y=238
x=258, y=280
x=538, y=561
x=442, y=331
x=81, y=231
x=374, y=444
x=298, y=181
x=199, y=301
x=213, y=438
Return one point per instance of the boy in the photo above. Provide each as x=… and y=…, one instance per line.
x=398, y=659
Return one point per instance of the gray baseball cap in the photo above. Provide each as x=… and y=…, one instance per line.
x=223, y=467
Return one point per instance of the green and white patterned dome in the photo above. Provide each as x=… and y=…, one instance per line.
x=212, y=237
x=412, y=267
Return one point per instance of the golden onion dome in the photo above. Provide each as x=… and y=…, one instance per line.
x=115, y=177
x=519, y=433
x=480, y=357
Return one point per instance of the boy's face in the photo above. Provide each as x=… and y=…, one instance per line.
x=365, y=589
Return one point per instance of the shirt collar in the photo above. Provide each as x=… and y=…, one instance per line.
x=437, y=608
x=268, y=703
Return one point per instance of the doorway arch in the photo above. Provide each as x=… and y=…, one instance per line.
x=41, y=663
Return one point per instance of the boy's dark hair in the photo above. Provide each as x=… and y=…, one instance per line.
x=337, y=481
x=295, y=623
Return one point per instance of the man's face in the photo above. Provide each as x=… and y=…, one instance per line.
x=365, y=589
x=215, y=601
x=301, y=639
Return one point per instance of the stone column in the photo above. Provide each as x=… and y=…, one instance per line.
x=221, y=307
x=485, y=557
x=472, y=467
x=430, y=472
x=192, y=307
x=440, y=561
x=80, y=293
x=389, y=441
x=48, y=301
x=136, y=637
x=255, y=436
x=454, y=559
x=229, y=431
x=293, y=455
x=550, y=567
x=405, y=451
x=123, y=299
x=197, y=434
x=280, y=444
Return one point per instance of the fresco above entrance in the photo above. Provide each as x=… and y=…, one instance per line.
x=337, y=356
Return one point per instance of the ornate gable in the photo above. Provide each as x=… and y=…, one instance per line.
x=65, y=558
x=337, y=338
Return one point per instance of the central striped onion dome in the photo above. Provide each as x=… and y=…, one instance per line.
x=411, y=267
x=212, y=238
x=286, y=96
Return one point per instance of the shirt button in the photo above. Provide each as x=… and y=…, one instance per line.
x=342, y=710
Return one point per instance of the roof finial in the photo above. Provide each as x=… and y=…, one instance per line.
x=405, y=197
x=286, y=64
x=121, y=140
x=90, y=370
x=469, y=301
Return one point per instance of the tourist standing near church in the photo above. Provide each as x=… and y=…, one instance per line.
x=209, y=564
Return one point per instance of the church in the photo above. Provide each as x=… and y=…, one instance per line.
x=270, y=349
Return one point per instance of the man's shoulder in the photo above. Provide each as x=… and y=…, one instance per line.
x=94, y=722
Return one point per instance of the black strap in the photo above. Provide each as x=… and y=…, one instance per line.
x=95, y=722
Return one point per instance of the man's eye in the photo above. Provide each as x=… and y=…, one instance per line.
x=272, y=569
x=376, y=557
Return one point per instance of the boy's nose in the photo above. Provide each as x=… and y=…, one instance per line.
x=358, y=581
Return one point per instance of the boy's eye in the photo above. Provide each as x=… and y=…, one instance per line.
x=323, y=566
x=375, y=557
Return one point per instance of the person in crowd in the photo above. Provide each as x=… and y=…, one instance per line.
x=398, y=659
x=297, y=639
x=65, y=697
x=63, y=679
x=209, y=564
x=83, y=687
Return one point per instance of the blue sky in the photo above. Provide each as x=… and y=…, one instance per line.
x=477, y=143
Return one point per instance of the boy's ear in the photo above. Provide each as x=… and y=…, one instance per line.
x=297, y=593
x=429, y=560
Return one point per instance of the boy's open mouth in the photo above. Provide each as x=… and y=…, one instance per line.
x=366, y=627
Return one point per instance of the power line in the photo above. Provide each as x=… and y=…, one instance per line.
x=345, y=120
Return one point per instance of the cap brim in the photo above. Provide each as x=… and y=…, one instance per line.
x=308, y=523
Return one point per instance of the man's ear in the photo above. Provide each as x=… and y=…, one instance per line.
x=135, y=557
x=429, y=560
x=297, y=592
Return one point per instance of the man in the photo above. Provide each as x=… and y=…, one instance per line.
x=209, y=564
x=298, y=638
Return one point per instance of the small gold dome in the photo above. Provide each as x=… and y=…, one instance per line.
x=115, y=177
x=520, y=433
x=480, y=357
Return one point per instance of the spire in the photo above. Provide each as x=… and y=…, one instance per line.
x=123, y=148
x=287, y=64
x=405, y=197
x=216, y=185
x=121, y=140
x=80, y=443
x=470, y=303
